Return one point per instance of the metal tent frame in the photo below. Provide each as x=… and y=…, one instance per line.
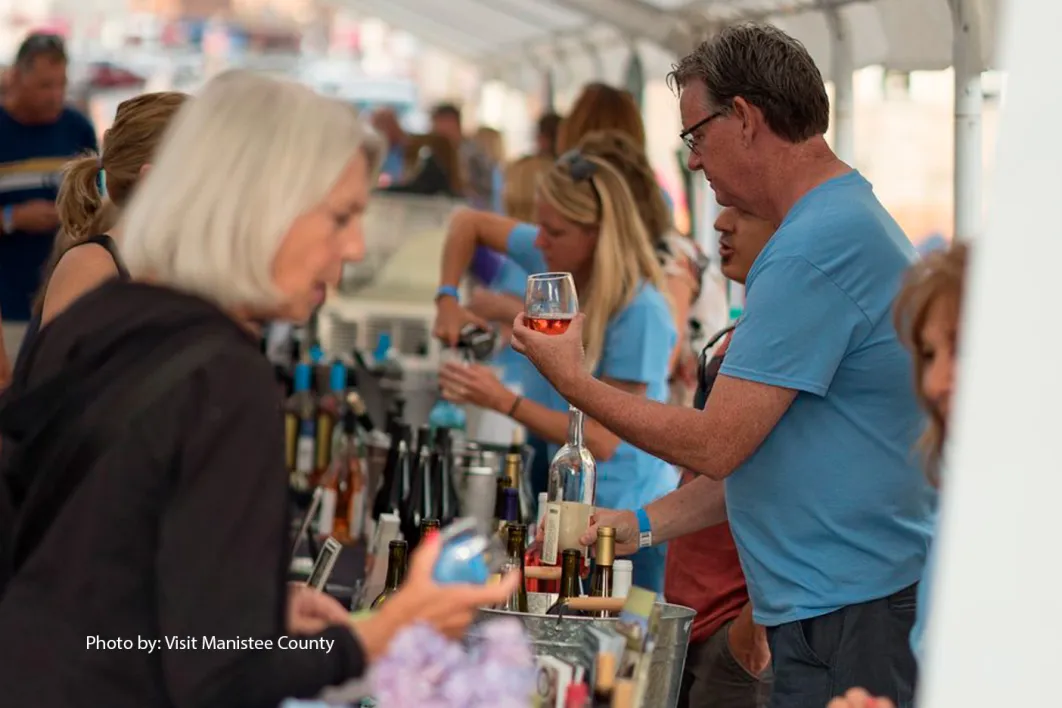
x=506, y=37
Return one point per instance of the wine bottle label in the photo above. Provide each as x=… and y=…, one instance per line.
x=327, y=515
x=551, y=538
x=575, y=520
x=304, y=457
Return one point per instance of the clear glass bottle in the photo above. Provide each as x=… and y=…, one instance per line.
x=572, y=488
x=517, y=542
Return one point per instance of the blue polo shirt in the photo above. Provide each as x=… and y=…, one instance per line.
x=833, y=509
x=31, y=160
x=638, y=344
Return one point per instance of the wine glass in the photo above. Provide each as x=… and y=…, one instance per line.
x=551, y=302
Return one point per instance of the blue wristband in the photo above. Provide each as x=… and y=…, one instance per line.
x=447, y=291
x=645, y=529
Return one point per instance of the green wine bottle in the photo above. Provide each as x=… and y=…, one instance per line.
x=397, y=555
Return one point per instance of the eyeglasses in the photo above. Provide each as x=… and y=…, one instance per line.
x=687, y=136
x=582, y=169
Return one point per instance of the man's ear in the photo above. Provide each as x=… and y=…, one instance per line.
x=144, y=170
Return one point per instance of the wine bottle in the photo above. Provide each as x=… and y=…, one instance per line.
x=396, y=471
x=428, y=527
x=572, y=487
x=299, y=429
x=514, y=471
x=345, y=488
x=515, y=551
x=501, y=484
x=330, y=411
x=601, y=582
x=357, y=404
x=397, y=557
x=510, y=512
x=571, y=559
x=446, y=491
x=418, y=505
x=533, y=557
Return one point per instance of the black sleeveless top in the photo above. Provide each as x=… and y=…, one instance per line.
x=34, y=325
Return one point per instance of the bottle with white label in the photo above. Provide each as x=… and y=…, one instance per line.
x=572, y=486
x=301, y=431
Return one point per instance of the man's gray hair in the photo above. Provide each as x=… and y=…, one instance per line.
x=766, y=67
x=240, y=162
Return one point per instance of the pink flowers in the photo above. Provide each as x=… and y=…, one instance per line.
x=423, y=669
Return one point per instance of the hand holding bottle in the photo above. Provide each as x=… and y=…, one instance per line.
x=451, y=318
x=624, y=522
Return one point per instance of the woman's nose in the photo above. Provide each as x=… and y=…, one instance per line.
x=353, y=242
x=938, y=379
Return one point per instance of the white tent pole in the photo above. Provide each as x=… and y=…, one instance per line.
x=842, y=73
x=596, y=61
x=969, y=97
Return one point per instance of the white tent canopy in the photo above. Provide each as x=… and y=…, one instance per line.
x=517, y=41
x=506, y=37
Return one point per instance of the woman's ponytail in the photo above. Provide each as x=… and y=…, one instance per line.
x=80, y=201
x=83, y=212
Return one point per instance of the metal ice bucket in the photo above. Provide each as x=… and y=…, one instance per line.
x=562, y=637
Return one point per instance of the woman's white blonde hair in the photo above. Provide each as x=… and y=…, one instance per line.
x=241, y=161
x=624, y=258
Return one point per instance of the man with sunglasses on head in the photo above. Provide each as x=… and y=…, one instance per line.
x=812, y=420
x=38, y=135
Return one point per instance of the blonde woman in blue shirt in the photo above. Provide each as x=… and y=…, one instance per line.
x=589, y=225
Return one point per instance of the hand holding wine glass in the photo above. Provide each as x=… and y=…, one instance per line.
x=549, y=332
x=550, y=302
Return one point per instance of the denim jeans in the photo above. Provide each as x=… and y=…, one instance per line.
x=865, y=645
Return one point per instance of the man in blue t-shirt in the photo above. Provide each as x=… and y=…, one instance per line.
x=812, y=420
x=38, y=135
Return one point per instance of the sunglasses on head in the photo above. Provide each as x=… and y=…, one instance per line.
x=582, y=169
x=705, y=357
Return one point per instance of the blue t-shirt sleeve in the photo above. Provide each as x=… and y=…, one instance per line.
x=796, y=329
x=639, y=340
x=511, y=279
x=522, y=249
